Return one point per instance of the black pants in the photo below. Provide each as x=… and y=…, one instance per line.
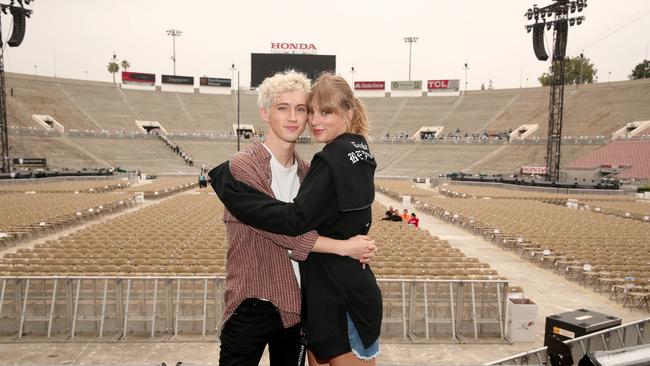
x=255, y=324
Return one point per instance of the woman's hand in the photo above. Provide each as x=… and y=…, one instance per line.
x=360, y=247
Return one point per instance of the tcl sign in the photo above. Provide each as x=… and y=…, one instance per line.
x=293, y=46
x=438, y=84
x=443, y=85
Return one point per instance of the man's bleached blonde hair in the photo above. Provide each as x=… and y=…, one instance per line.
x=281, y=82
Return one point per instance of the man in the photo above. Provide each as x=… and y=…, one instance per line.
x=262, y=294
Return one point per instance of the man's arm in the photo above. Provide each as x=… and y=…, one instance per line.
x=359, y=247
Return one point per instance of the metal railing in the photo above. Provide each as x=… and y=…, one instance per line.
x=115, y=306
x=623, y=336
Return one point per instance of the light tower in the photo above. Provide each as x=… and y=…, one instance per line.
x=410, y=41
x=174, y=33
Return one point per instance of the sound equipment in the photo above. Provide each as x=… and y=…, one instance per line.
x=577, y=323
x=538, y=42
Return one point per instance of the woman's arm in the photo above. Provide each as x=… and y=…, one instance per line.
x=257, y=209
x=360, y=247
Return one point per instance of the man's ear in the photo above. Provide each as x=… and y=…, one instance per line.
x=264, y=114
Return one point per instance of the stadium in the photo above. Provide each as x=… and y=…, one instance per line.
x=111, y=252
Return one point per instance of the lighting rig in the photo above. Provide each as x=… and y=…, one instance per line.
x=19, y=14
x=559, y=16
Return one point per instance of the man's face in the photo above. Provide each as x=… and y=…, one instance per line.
x=287, y=116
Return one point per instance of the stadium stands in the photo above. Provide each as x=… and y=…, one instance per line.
x=148, y=155
x=557, y=195
x=104, y=112
x=191, y=225
x=425, y=160
x=102, y=105
x=42, y=96
x=599, y=250
x=510, y=158
x=635, y=154
x=122, y=264
x=591, y=110
x=209, y=113
x=60, y=152
x=405, y=252
x=164, y=107
x=26, y=216
x=477, y=110
x=165, y=186
x=83, y=186
x=195, y=238
x=404, y=187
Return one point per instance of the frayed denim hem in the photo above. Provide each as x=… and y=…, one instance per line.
x=365, y=358
x=356, y=345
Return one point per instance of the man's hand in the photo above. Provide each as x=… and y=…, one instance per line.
x=360, y=247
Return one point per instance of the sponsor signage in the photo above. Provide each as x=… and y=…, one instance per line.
x=177, y=79
x=30, y=161
x=138, y=78
x=264, y=65
x=288, y=46
x=541, y=170
x=406, y=85
x=206, y=81
x=369, y=85
x=443, y=85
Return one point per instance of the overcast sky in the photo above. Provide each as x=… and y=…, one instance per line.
x=68, y=37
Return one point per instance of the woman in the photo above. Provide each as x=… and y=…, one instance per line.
x=342, y=305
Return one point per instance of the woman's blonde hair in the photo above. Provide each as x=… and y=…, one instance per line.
x=332, y=94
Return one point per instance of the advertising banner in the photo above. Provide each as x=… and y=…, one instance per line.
x=264, y=65
x=138, y=78
x=206, y=81
x=178, y=80
x=369, y=85
x=443, y=85
x=30, y=162
x=406, y=85
x=540, y=170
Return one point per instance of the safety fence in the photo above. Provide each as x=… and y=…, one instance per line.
x=627, y=335
x=156, y=307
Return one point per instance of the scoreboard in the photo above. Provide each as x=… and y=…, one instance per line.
x=264, y=65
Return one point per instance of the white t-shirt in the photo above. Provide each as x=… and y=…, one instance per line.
x=285, y=185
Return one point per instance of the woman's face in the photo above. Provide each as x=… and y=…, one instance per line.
x=326, y=126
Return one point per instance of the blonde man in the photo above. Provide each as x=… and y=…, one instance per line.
x=262, y=293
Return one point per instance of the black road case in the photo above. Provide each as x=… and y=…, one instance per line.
x=577, y=323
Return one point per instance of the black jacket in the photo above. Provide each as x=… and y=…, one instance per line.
x=335, y=198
